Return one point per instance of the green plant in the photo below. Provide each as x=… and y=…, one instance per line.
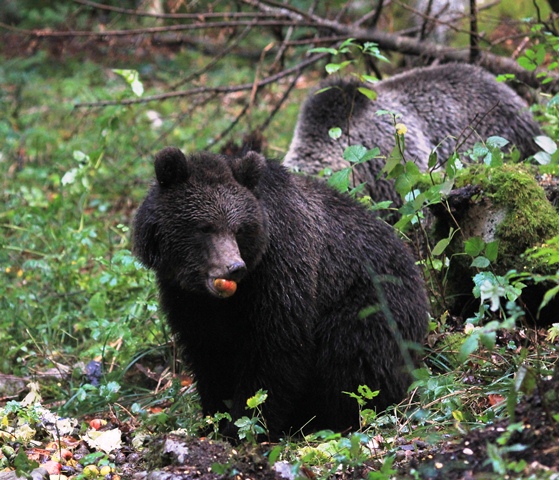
x=363, y=396
x=356, y=52
x=250, y=428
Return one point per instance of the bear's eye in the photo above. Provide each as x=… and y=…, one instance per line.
x=206, y=228
x=247, y=230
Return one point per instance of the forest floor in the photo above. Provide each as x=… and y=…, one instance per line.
x=535, y=436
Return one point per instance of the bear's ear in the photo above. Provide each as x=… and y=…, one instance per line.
x=248, y=170
x=171, y=167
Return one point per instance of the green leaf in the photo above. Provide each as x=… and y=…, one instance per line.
x=366, y=392
x=325, y=89
x=546, y=144
x=244, y=424
x=497, y=142
x=543, y=158
x=505, y=77
x=219, y=468
x=440, y=246
x=274, y=454
x=354, y=153
x=336, y=67
x=98, y=305
x=331, y=51
x=381, y=205
x=469, y=346
x=412, y=169
x=370, y=94
x=488, y=339
x=340, y=180
x=348, y=43
x=392, y=164
x=488, y=159
x=548, y=296
x=404, y=183
x=540, y=53
x=480, y=262
x=132, y=77
x=368, y=78
x=433, y=159
x=492, y=250
x=335, y=133
x=258, y=399
x=368, y=311
x=356, y=397
x=474, y=246
x=480, y=150
x=526, y=63
x=370, y=154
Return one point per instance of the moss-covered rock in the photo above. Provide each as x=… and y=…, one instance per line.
x=526, y=217
x=509, y=206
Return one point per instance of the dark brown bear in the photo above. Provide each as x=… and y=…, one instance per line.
x=445, y=108
x=263, y=275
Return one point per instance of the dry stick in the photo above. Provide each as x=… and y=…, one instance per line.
x=266, y=123
x=426, y=19
x=474, y=37
x=371, y=19
x=344, y=8
x=195, y=104
x=218, y=138
x=473, y=125
x=388, y=41
x=385, y=41
x=154, y=30
x=450, y=23
x=214, y=60
x=255, y=86
x=281, y=50
x=172, y=16
x=278, y=8
x=215, y=90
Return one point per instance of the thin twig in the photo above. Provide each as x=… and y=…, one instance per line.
x=155, y=30
x=172, y=16
x=214, y=90
x=214, y=60
x=277, y=107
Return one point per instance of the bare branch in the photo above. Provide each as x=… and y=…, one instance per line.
x=222, y=53
x=172, y=16
x=474, y=37
x=214, y=90
x=155, y=30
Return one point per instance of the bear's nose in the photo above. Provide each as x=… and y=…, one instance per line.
x=236, y=271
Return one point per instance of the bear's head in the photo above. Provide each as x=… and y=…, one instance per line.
x=202, y=225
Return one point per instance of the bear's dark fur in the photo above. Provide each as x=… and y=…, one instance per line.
x=449, y=106
x=307, y=261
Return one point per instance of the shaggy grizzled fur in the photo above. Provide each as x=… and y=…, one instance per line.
x=307, y=261
x=446, y=107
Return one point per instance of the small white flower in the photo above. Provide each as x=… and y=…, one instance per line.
x=493, y=292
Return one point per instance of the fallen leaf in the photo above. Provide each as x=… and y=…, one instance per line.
x=106, y=441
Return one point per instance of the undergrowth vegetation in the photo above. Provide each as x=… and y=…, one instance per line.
x=72, y=293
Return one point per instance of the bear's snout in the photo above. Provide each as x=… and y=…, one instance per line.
x=236, y=271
